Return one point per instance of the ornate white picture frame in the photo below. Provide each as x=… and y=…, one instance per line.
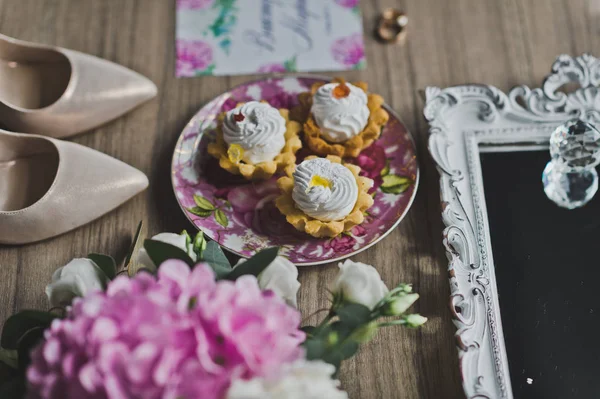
x=464, y=121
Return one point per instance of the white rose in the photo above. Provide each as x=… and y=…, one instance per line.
x=305, y=379
x=78, y=278
x=400, y=304
x=281, y=276
x=178, y=240
x=359, y=283
x=415, y=320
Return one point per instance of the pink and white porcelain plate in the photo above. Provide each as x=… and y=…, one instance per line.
x=241, y=215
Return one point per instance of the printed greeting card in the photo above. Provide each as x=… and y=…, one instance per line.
x=231, y=37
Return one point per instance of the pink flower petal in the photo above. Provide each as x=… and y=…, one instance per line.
x=141, y=339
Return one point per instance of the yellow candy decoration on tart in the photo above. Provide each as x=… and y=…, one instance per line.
x=323, y=196
x=256, y=140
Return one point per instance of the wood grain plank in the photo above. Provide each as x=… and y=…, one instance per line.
x=547, y=34
x=417, y=245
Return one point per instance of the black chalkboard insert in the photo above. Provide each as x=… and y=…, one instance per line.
x=547, y=262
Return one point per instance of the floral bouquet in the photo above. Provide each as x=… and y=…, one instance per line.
x=179, y=322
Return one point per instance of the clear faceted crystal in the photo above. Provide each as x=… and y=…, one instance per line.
x=570, y=178
x=575, y=144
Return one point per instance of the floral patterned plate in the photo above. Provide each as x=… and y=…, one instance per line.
x=242, y=217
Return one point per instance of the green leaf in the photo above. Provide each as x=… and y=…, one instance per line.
x=309, y=330
x=333, y=344
x=208, y=71
x=225, y=44
x=348, y=350
x=9, y=357
x=360, y=65
x=135, y=245
x=159, y=252
x=106, y=263
x=224, y=3
x=395, y=189
x=341, y=352
x=254, y=265
x=27, y=342
x=199, y=244
x=315, y=348
x=366, y=332
x=214, y=256
x=203, y=203
x=188, y=238
x=354, y=315
x=221, y=218
x=386, y=170
x=393, y=184
x=395, y=180
x=343, y=347
x=199, y=212
x=290, y=65
x=18, y=324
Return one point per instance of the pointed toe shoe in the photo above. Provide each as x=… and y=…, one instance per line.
x=58, y=92
x=49, y=187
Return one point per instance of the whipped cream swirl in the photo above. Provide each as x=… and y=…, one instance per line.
x=333, y=201
x=260, y=132
x=340, y=119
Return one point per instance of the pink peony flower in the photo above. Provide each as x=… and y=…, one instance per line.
x=192, y=56
x=349, y=50
x=348, y=3
x=219, y=178
x=229, y=104
x=247, y=198
x=182, y=335
x=254, y=207
x=359, y=231
x=272, y=68
x=341, y=244
x=283, y=100
x=269, y=221
x=194, y=4
x=372, y=160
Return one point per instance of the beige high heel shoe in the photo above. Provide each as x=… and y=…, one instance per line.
x=58, y=92
x=49, y=187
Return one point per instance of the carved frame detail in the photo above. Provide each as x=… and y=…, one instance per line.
x=465, y=120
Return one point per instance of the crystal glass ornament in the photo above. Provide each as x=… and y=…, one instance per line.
x=570, y=178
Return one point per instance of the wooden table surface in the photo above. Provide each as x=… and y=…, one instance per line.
x=497, y=42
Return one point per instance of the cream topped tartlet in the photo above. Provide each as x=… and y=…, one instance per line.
x=256, y=140
x=341, y=118
x=324, y=190
x=323, y=197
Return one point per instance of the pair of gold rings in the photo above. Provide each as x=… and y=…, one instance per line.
x=392, y=26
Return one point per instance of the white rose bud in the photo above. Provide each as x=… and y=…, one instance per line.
x=399, y=304
x=180, y=241
x=359, y=283
x=415, y=320
x=281, y=277
x=78, y=278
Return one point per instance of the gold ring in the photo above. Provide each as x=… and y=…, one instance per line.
x=392, y=26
